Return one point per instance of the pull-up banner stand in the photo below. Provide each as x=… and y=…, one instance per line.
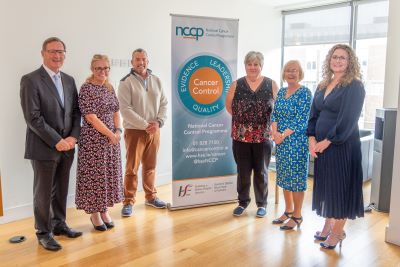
x=204, y=60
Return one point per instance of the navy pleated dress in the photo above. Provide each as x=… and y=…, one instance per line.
x=338, y=177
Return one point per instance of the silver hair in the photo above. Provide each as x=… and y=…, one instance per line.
x=254, y=56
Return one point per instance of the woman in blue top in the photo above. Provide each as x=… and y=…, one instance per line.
x=335, y=143
x=289, y=125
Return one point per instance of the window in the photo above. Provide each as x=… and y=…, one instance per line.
x=370, y=44
x=310, y=33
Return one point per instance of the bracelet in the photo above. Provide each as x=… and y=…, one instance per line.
x=118, y=129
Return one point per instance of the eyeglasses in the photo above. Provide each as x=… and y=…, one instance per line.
x=292, y=71
x=99, y=69
x=340, y=58
x=56, y=52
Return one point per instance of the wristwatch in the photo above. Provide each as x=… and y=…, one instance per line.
x=118, y=129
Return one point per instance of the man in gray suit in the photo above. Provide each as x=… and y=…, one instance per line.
x=49, y=101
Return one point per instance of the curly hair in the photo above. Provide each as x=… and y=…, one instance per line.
x=352, y=71
x=90, y=79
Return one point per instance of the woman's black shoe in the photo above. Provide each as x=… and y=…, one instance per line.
x=102, y=227
x=338, y=240
x=298, y=222
x=318, y=236
x=109, y=224
x=288, y=215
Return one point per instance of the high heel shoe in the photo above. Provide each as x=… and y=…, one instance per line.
x=109, y=224
x=101, y=228
x=104, y=216
x=327, y=229
x=339, y=240
x=318, y=236
x=288, y=215
x=298, y=222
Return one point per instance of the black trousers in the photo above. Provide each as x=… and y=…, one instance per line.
x=252, y=157
x=50, y=191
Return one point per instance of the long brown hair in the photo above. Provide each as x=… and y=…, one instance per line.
x=90, y=79
x=352, y=71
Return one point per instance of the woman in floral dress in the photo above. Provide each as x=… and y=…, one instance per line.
x=99, y=176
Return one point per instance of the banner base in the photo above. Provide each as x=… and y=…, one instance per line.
x=171, y=208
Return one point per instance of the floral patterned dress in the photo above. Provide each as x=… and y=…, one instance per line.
x=99, y=175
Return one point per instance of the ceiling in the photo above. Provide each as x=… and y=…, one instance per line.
x=293, y=4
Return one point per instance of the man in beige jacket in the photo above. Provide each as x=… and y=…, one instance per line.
x=143, y=107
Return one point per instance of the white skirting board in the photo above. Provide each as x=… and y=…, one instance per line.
x=25, y=211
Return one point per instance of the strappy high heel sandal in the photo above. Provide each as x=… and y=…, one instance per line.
x=298, y=222
x=338, y=240
x=318, y=236
x=288, y=215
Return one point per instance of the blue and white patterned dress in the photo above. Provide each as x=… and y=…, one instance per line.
x=292, y=153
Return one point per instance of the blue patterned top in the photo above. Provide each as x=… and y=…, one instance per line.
x=292, y=153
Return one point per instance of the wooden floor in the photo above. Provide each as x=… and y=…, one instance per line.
x=208, y=236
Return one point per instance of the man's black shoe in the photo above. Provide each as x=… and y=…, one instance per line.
x=49, y=243
x=65, y=230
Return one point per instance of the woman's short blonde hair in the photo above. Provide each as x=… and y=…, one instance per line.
x=289, y=63
x=254, y=56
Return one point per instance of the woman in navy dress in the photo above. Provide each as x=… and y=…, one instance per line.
x=289, y=125
x=250, y=101
x=334, y=141
x=99, y=176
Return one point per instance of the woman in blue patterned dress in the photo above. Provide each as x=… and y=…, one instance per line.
x=99, y=175
x=289, y=125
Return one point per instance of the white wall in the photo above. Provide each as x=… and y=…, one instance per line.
x=114, y=28
x=391, y=91
x=392, y=85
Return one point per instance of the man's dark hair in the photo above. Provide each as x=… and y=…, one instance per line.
x=50, y=40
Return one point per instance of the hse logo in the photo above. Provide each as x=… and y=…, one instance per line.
x=203, y=82
x=184, y=190
x=189, y=33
